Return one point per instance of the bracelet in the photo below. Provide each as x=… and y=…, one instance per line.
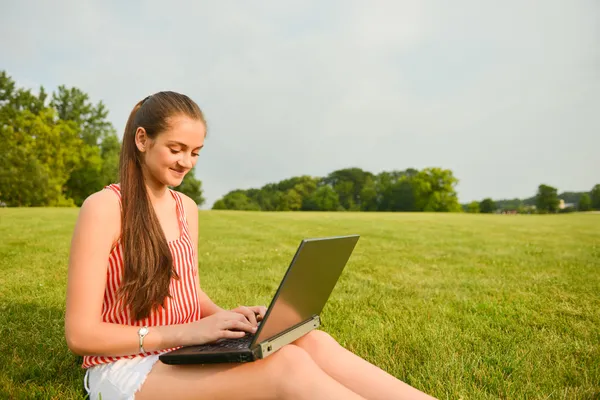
x=142, y=332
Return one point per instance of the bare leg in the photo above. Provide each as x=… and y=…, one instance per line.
x=290, y=373
x=353, y=372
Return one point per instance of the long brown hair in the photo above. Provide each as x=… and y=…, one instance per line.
x=148, y=264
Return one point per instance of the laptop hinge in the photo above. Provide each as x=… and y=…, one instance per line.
x=270, y=346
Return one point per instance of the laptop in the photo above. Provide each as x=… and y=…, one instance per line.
x=293, y=312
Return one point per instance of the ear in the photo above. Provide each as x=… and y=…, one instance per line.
x=141, y=139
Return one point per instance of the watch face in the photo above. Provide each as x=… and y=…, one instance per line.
x=143, y=331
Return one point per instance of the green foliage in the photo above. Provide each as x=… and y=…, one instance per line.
x=99, y=161
x=192, y=187
x=547, y=199
x=585, y=203
x=40, y=154
x=396, y=190
x=510, y=204
x=91, y=120
x=349, y=184
x=435, y=190
x=473, y=207
x=487, y=206
x=352, y=189
x=323, y=199
x=595, y=197
x=236, y=200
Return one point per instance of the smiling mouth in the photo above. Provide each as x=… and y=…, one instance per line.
x=179, y=172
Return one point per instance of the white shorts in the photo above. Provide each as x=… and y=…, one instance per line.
x=118, y=380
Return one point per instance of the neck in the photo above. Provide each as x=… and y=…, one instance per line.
x=157, y=191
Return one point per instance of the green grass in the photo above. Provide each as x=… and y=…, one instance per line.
x=460, y=306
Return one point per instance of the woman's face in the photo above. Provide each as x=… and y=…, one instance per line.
x=174, y=152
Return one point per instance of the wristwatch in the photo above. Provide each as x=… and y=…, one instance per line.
x=142, y=332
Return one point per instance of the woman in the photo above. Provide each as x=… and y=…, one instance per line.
x=134, y=291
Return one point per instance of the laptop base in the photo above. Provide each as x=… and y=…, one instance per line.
x=211, y=354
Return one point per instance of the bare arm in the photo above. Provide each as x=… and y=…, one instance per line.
x=207, y=306
x=97, y=228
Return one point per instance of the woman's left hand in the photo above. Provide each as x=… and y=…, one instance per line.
x=253, y=314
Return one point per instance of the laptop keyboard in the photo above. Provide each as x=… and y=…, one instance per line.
x=231, y=344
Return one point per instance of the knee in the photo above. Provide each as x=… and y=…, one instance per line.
x=316, y=341
x=291, y=366
x=290, y=359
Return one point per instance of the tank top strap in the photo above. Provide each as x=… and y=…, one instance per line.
x=116, y=188
x=180, y=210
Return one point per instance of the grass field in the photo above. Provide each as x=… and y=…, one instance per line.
x=460, y=306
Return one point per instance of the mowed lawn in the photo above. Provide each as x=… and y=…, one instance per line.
x=460, y=306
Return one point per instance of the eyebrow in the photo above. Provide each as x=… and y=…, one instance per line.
x=170, y=142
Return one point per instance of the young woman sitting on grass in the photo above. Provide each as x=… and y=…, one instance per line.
x=134, y=292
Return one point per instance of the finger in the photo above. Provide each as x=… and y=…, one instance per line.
x=241, y=326
x=232, y=334
x=250, y=315
x=259, y=312
x=247, y=314
x=235, y=321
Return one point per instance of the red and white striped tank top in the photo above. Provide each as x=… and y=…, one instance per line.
x=182, y=307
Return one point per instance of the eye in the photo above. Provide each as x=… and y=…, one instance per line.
x=174, y=151
x=195, y=154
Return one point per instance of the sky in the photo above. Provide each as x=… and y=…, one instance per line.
x=505, y=94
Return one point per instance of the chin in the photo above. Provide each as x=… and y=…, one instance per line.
x=174, y=182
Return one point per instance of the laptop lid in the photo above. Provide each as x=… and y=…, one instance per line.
x=307, y=284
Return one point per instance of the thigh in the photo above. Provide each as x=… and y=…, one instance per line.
x=218, y=381
x=271, y=378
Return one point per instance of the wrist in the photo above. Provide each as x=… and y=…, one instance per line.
x=142, y=333
x=208, y=311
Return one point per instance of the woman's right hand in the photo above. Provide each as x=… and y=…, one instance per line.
x=222, y=324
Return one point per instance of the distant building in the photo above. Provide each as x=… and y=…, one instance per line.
x=562, y=205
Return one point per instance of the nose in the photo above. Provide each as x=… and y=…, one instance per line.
x=186, y=161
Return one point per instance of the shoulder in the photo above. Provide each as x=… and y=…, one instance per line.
x=103, y=208
x=105, y=202
x=191, y=208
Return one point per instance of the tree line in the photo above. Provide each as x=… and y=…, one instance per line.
x=352, y=189
x=431, y=190
x=58, y=148
x=546, y=200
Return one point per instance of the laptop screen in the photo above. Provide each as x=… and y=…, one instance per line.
x=307, y=284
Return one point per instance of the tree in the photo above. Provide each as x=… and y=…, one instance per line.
x=24, y=181
x=368, y=195
x=99, y=162
x=236, y=200
x=487, y=206
x=290, y=201
x=595, y=197
x=473, y=207
x=39, y=156
x=547, y=199
x=323, y=199
x=219, y=205
x=39, y=150
x=91, y=120
x=110, y=149
x=585, y=203
x=435, y=190
x=396, y=190
x=191, y=187
x=348, y=184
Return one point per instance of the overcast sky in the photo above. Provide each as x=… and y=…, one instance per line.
x=505, y=93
